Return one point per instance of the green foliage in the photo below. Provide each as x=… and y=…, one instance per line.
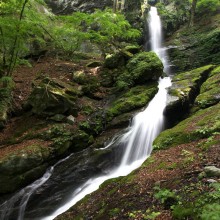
x=197, y=203
x=22, y=27
x=174, y=15
x=102, y=28
x=164, y=194
x=207, y=6
x=147, y=215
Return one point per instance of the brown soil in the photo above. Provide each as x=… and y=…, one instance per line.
x=173, y=169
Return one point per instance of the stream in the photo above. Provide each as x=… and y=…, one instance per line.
x=69, y=180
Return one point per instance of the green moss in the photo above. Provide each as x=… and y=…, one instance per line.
x=210, y=90
x=200, y=125
x=145, y=66
x=198, y=204
x=53, y=97
x=137, y=97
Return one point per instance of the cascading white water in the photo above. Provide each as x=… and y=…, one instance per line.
x=137, y=140
x=156, y=37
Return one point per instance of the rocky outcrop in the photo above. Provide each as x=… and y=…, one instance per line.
x=202, y=124
x=69, y=6
x=185, y=87
x=136, y=98
x=20, y=167
x=192, y=48
x=210, y=90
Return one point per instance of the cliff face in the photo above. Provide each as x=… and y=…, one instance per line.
x=69, y=6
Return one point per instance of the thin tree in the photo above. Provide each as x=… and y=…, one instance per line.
x=192, y=13
x=14, y=52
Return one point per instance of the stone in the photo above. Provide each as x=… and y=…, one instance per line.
x=212, y=171
x=145, y=66
x=52, y=97
x=185, y=87
x=70, y=120
x=211, y=181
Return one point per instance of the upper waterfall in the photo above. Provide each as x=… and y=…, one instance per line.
x=156, y=37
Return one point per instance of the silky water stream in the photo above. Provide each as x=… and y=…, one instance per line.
x=72, y=178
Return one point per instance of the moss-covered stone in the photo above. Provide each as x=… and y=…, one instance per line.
x=185, y=87
x=114, y=60
x=19, y=167
x=200, y=125
x=210, y=90
x=137, y=97
x=145, y=66
x=133, y=49
x=80, y=140
x=53, y=97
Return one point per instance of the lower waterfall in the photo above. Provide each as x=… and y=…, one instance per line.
x=71, y=179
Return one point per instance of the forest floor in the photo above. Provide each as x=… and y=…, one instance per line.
x=24, y=78
x=168, y=178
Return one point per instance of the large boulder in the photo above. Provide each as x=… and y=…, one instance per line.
x=53, y=97
x=22, y=166
x=145, y=66
x=137, y=97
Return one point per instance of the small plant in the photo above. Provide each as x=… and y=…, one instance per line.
x=148, y=215
x=203, y=131
x=188, y=156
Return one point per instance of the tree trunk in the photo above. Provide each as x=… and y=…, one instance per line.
x=192, y=13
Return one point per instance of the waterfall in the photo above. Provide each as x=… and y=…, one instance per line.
x=63, y=189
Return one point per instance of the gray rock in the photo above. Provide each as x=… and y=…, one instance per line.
x=211, y=181
x=70, y=120
x=212, y=171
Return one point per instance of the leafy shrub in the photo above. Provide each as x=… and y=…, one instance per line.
x=207, y=6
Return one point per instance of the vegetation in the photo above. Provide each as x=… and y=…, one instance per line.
x=22, y=28
x=33, y=31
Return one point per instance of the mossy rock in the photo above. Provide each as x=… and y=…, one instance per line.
x=114, y=60
x=196, y=46
x=201, y=125
x=53, y=97
x=9, y=184
x=185, y=87
x=18, y=168
x=107, y=77
x=210, y=90
x=137, y=97
x=80, y=140
x=145, y=66
x=133, y=49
